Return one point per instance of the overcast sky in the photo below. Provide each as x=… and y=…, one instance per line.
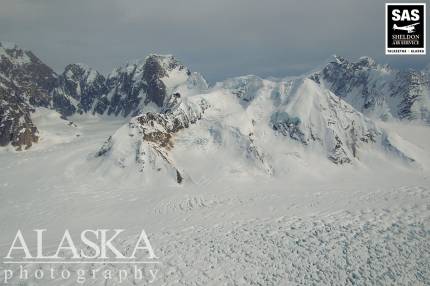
x=219, y=38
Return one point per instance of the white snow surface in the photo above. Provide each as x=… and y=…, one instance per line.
x=287, y=216
x=235, y=136
x=319, y=223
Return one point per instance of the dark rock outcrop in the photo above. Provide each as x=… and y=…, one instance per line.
x=16, y=126
x=27, y=83
x=146, y=140
x=377, y=90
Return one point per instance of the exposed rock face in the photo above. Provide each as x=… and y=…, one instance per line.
x=153, y=73
x=125, y=92
x=16, y=127
x=378, y=91
x=413, y=87
x=316, y=116
x=147, y=83
x=164, y=99
x=144, y=143
x=81, y=85
x=244, y=117
x=126, y=89
x=307, y=112
x=27, y=83
x=32, y=78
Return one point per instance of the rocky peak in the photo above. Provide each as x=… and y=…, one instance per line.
x=147, y=85
x=16, y=127
x=144, y=85
x=144, y=143
x=160, y=65
x=314, y=116
x=32, y=77
x=377, y=90
x=83, y=84
x=153, y=71
x=15, y=55
x=340, y=63
x=25, y=83
x=159, y=72
x=151, y=82
x=78, y=71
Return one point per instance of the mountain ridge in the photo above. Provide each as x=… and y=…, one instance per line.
x=126, y=91
x=378, y=91
x=328, y=112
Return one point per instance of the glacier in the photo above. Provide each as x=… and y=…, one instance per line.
x=319, y=179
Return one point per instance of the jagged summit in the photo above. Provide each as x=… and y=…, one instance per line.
x=10, y=49
x=153, y=56
x=13, y=54
x=246, y=120
x=25, y=83
x=144, y=144
x=362, y=62
x=147, y=84
x=253, y=120
x=168, y=61
x=378, y=91
x=144, y=85
x=78, y=88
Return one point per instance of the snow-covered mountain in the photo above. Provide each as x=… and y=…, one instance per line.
x=128, y=90
x=245, y=121
x=253, y=121
x=27, y=83
x=302, y=168
x=144, y=144
x=378, y=90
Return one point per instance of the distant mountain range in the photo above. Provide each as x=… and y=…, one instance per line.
x=254, y=120
x=27, y=83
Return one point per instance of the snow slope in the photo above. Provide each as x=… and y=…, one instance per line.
x=250, y=182
x=318, y=223
x=246, y=126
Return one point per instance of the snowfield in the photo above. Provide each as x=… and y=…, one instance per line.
x=308, y=180
x=316, y=223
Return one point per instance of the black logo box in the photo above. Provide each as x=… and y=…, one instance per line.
x=418, y=29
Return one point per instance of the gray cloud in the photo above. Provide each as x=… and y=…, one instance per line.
x=219, y=38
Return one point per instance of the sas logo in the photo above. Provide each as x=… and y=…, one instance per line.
x=405, y=28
